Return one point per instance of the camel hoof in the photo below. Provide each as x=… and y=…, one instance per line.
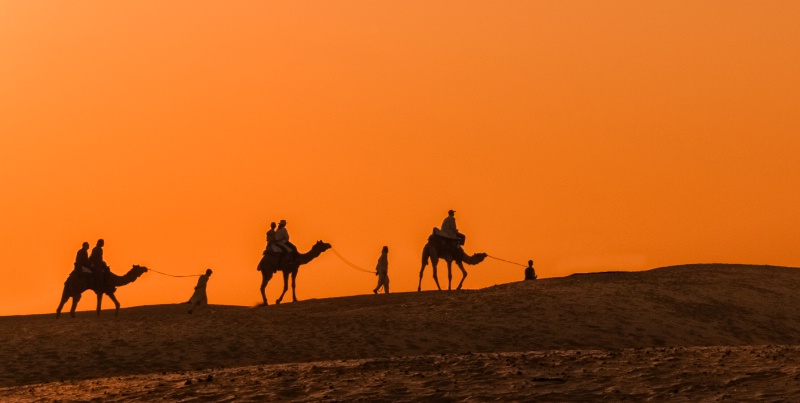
x=278, y=302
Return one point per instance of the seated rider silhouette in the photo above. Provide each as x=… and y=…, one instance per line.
x=450, y=231
x=270, y=238
x=99, y=266
x=282, y=244
x=82, y=264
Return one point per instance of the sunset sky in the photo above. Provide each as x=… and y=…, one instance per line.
x=585, y=135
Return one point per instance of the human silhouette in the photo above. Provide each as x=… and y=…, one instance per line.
x=99, y=266
x=270, y=237
x=282, y=243
x=382, y=271
x=82, y=263
x=530, y=274
x=288, y=252
x=449, y=229
x=200, y=297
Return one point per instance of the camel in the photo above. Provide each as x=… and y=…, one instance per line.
x=76, y=284
x=438, y=247
x=270, y=263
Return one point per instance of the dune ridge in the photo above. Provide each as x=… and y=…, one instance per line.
x=684, y=308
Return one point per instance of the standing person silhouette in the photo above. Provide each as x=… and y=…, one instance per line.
x=382, y=271
x=200, y=297
x=530, y=274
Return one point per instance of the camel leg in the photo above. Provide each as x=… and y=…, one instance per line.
x=285, y=287
x=99, y=302
x=449, y=274
x=434, y=264
x=116, y=303
x=64, y=298
x=294, y=276
x=463, y=274
x=425, y=256
x=421, y=272
x=264, y=281
x=75, y=299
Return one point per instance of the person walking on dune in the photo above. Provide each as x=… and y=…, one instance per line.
x=382, y=271
x=200, y=297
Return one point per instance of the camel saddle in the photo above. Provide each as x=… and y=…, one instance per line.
x=460, y=239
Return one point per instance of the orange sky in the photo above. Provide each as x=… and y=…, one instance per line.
x=584, y=135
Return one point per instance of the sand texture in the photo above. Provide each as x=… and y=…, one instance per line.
x=686, y=333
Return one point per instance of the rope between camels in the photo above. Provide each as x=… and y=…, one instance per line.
x=507, y=261
x=172, y=275
x=350, y=264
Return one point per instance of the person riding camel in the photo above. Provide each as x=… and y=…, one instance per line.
x=82, y=263
x=449, y=229
x=270, y=237
x=282, y=243
x=99, y=266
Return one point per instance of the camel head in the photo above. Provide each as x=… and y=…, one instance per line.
x=475, y=259
x=314, y=253
x=138, y=270
x=321, y=246
x=135, y=272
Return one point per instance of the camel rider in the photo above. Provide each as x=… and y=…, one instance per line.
x=270, y=237
x=82, y=263
x=99, y=266
x=282, y=243
x=449, y=229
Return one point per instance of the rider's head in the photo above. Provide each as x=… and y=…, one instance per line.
x=85, y=245
x=208, y=272
x=272, y=225
x=451, y=212
x=530, y=262
x=282, y=223
x=101, y=242
x=385, y=249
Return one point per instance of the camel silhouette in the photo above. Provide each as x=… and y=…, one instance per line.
x=271, y=263
x=439, y=248
x=76, y=284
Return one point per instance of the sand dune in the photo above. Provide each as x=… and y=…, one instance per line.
x=687, y=332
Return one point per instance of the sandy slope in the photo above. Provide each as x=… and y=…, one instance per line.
x=683, y=374
x=603, y=315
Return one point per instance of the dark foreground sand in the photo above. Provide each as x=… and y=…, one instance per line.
x=689, y=333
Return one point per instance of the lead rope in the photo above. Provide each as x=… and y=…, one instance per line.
x=507, y=261
x=172, y=275
x=350, y=264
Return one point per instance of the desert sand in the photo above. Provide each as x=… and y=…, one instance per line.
x=684, y=333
